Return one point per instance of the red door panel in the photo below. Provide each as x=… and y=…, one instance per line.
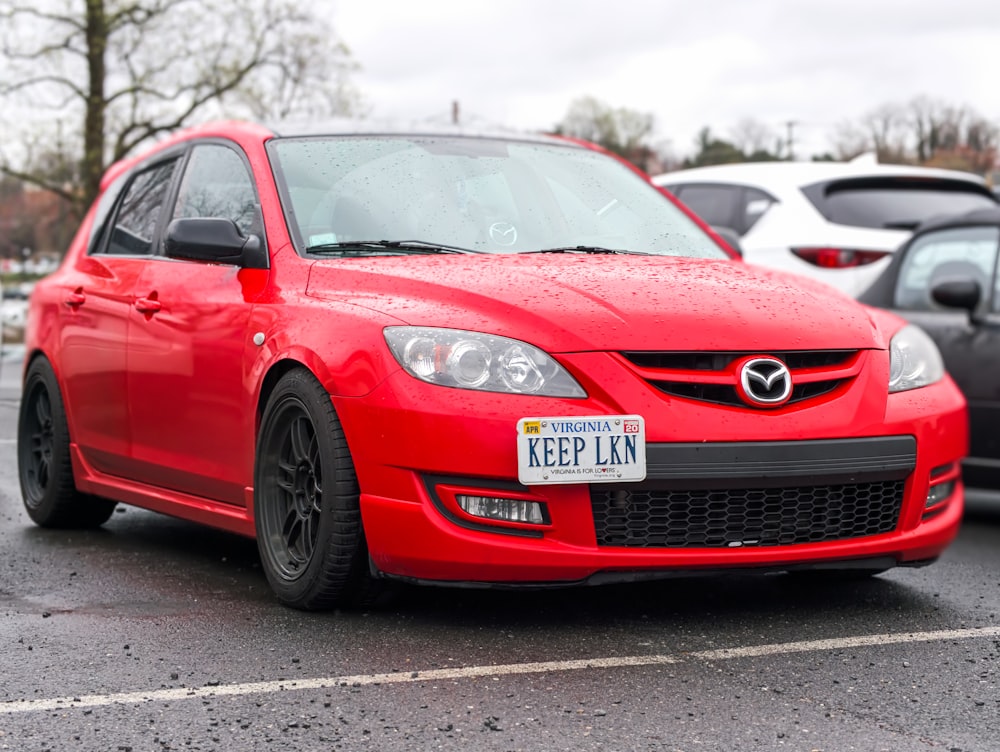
x=190, y=406
x=94, y=305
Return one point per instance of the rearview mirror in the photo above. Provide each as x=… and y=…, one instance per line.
x=215, y=240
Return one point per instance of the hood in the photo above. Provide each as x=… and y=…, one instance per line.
x=577, y=302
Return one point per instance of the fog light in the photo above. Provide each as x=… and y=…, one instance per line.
x=939, y=493
x=507, y=510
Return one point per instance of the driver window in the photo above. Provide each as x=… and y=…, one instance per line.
x=217, y=183
x=958, y=253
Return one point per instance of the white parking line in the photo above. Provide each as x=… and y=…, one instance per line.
x=472, y=672
x=253, y=688
x=841, y=643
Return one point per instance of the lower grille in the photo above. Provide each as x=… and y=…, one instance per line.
x=731, y=518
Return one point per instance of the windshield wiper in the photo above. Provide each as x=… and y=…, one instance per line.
x=393, y=247
x=588, y=249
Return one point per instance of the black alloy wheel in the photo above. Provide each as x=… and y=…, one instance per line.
x=45, y=469
x=307, y=502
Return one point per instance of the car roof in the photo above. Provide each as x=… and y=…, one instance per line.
x=987, y=216
x=390, y=127
x=332, y=127
x=795, y=174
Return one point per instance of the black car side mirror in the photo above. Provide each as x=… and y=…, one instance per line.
x=215, y=240
x=959, y=293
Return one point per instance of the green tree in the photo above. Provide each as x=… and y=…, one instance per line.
x=84, y=82
x=712, y=151
x=620, y=130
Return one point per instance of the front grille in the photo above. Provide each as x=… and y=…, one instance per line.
x=722, y=394
x=720, y=361
x=695, y=375
x=730, y=518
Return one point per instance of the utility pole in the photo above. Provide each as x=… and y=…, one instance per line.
x=790, y=140
x=454, y=112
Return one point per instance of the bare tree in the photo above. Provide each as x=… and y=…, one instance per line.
x=926, y=120
x=886, y=127
x=849, y=140
x=86, y=81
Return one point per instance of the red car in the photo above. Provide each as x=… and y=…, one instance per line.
x=490, y=360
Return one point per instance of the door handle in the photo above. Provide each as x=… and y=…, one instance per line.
x=75, y=299
x=147, y=305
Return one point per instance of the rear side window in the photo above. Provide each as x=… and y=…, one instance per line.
x=955, y=253
x=135, y=224
x=734, y=206
x=895, y=203
x=104, y=206
x=716, y=204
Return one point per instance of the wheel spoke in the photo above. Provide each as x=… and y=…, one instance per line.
x=291, y=535
x=308, y=539
x=317, y=499
x=302, y=436
x=286, y=477
x=40, y=440
x=43, y=410
x=43, y=472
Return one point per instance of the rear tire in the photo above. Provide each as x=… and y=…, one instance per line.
x=307, y=501
x=43, y=458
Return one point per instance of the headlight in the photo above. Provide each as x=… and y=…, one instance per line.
x=914, y=360
x=472, y=360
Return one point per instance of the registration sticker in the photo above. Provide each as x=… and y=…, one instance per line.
x=594, y=449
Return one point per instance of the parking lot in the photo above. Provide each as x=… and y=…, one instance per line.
x=153, y=633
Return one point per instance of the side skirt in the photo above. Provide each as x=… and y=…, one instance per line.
x=227, y=517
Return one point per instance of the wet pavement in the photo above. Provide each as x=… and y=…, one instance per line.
x=156, y=634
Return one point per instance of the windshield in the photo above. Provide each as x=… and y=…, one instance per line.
x=477, y=194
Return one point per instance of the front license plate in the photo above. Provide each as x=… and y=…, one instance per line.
x=605, y=449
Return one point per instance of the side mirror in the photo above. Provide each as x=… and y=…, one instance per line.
x=958, y=293
x=214, y=240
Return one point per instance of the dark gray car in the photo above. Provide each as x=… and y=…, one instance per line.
x=945, y=280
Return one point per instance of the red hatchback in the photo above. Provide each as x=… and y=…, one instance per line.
x=437, y=357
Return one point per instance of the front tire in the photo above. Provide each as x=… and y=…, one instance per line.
x=307, y=501
x=44, y=467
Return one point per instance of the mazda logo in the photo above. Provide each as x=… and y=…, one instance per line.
x=503, y=233
x=764, y=382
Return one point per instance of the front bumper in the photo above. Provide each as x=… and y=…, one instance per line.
x=412, y=463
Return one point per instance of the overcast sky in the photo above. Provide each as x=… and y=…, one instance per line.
x=693, y=63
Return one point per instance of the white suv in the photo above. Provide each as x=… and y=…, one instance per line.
x=834, y=221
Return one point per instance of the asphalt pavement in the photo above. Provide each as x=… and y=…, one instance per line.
x=11, y=365
x=156, y=634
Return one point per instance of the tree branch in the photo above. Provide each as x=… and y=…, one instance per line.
x=21, y=10
x=40, y=182
x=46, y=79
